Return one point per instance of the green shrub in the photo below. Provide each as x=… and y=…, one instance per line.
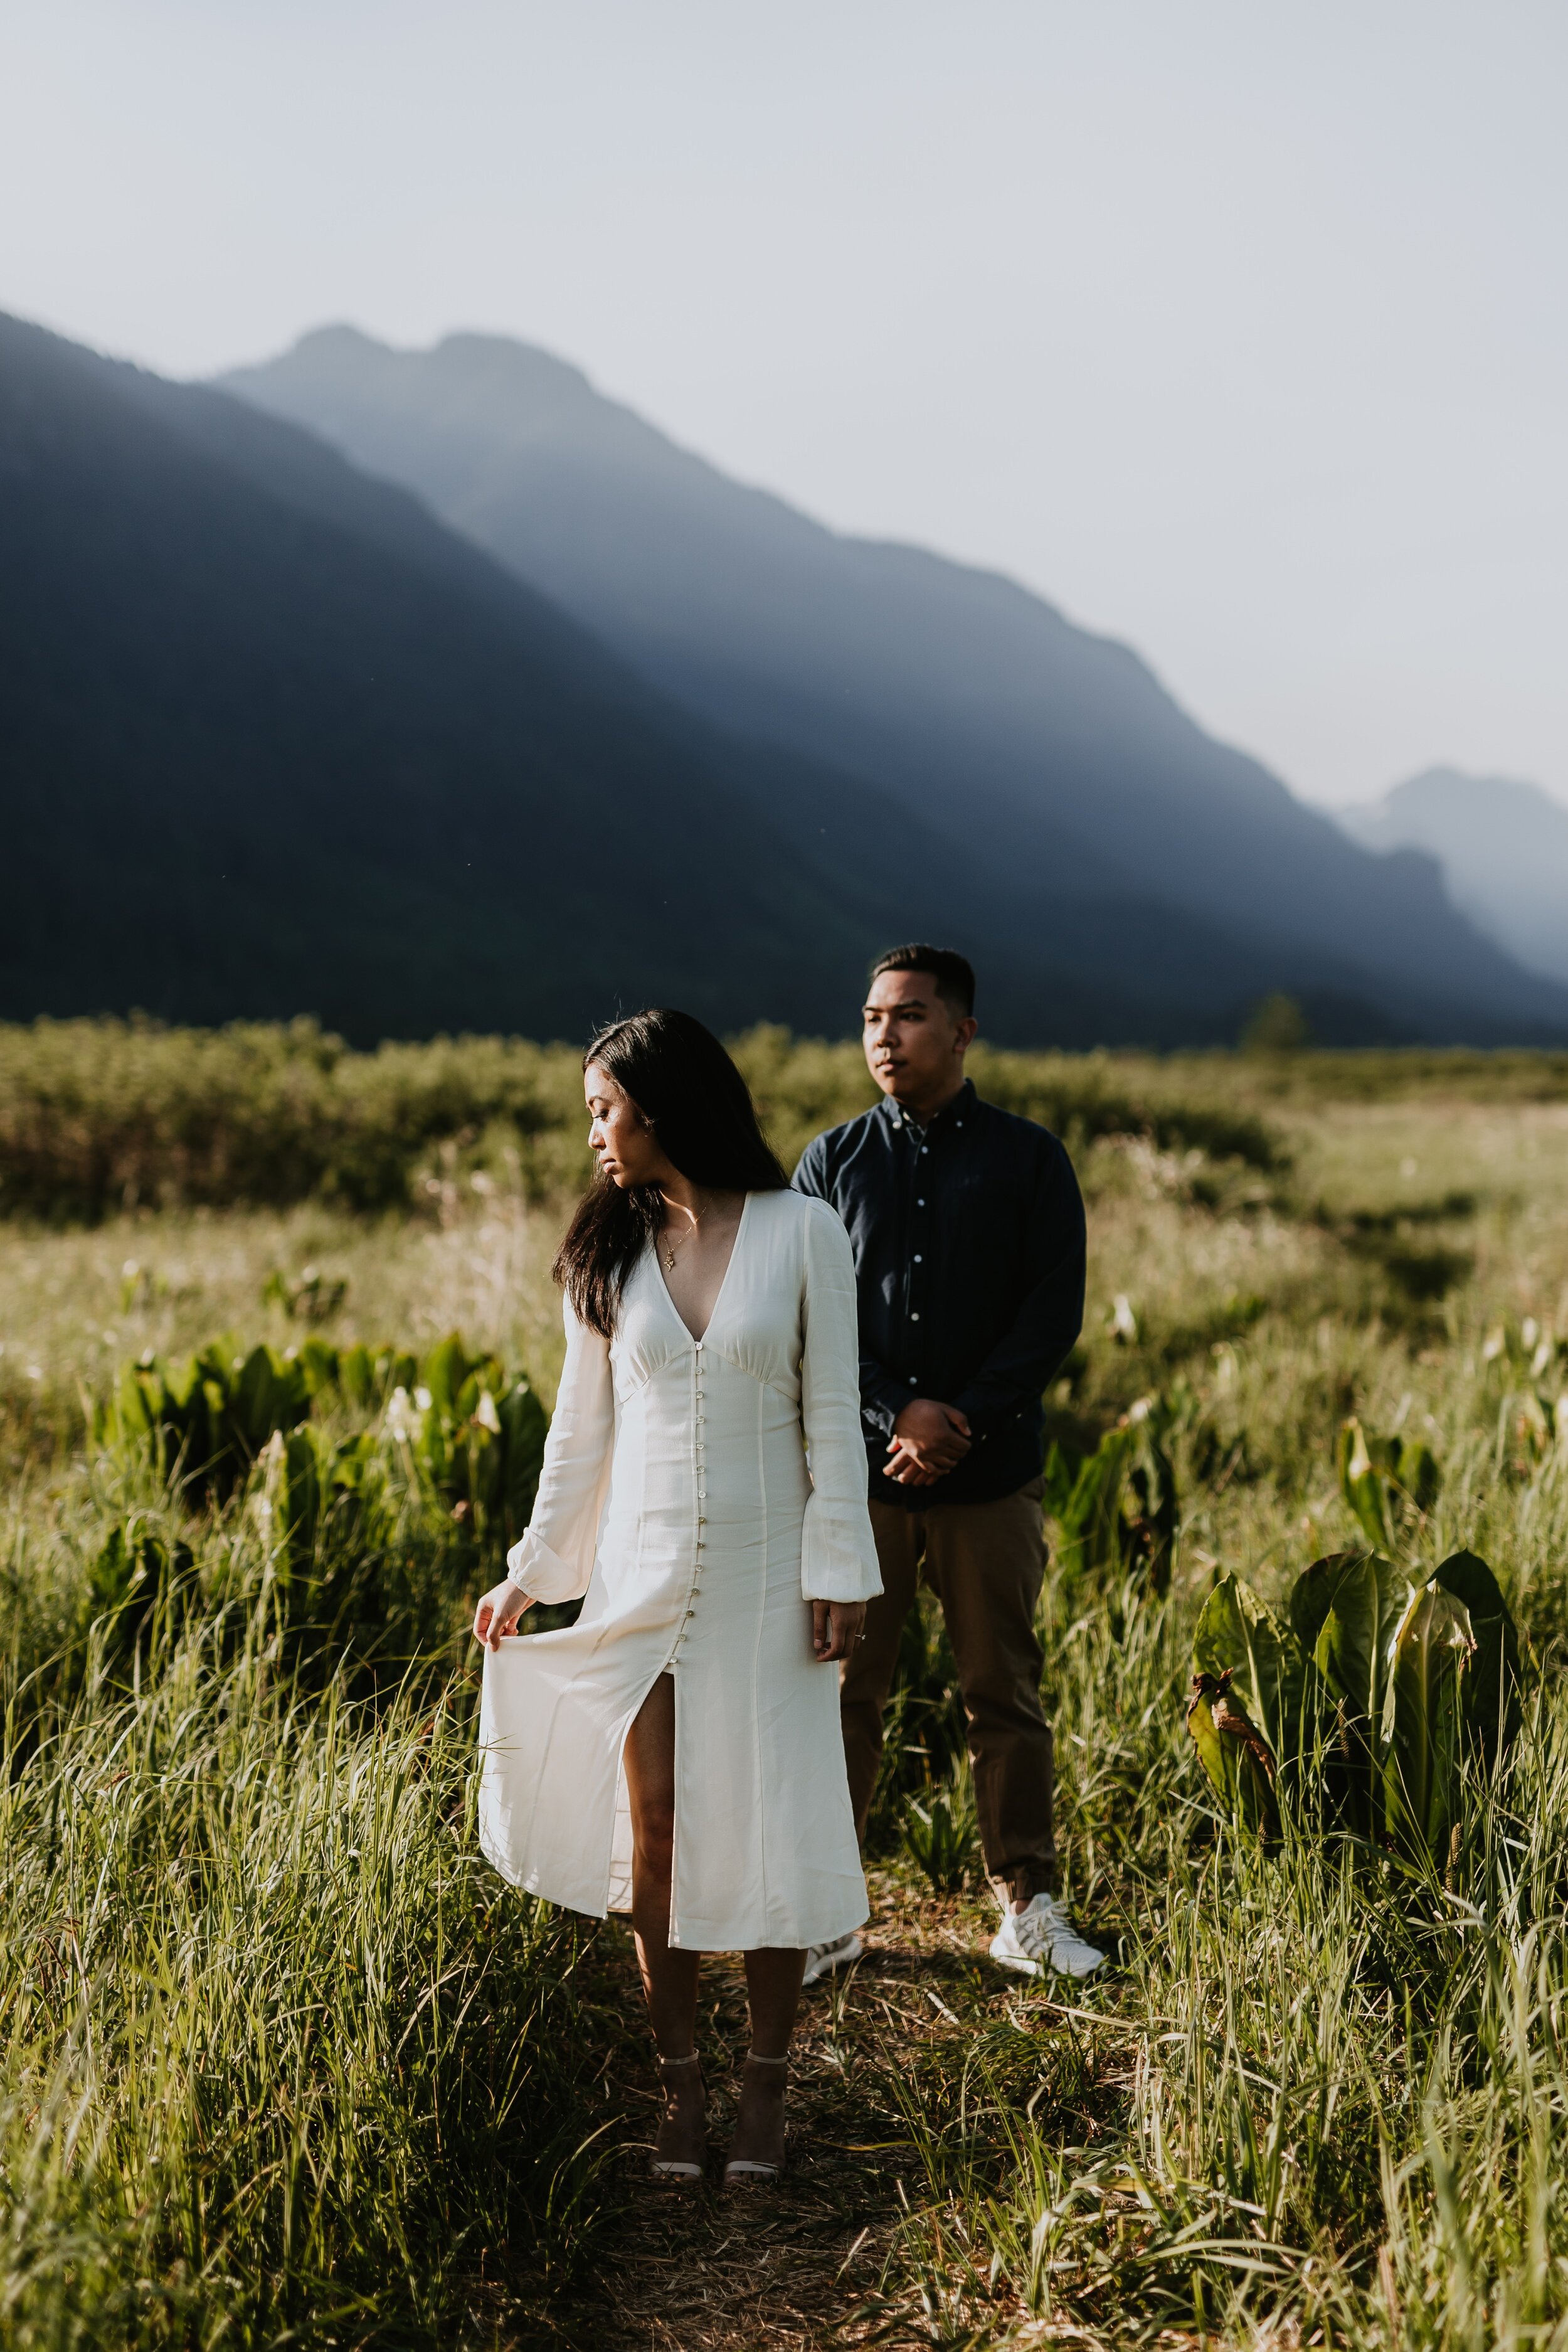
x=98, y=1115
x=102, y=1116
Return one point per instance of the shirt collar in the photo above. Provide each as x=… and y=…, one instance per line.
x=951, y=1114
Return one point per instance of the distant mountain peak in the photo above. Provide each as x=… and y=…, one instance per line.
x=468, y=377
x=1502, y=845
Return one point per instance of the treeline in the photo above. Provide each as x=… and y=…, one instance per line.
x=97, y=1117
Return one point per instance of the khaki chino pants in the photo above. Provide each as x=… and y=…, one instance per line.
x=985, y=1563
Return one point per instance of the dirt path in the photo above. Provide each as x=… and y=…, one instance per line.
x=799, y=2265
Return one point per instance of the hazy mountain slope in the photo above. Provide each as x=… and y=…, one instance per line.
x=1052, y=752
x=1503, y=849
x=273, y=740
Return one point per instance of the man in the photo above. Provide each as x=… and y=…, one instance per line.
x=967, y=1230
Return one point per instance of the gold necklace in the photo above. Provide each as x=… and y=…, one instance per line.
x=674, y=1247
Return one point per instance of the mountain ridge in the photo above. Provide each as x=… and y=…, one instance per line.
x=1054, y=756
x=275, y=740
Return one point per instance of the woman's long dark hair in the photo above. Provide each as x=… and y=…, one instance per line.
x=701, y=1112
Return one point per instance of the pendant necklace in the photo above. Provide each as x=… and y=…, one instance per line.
x=672, y=1247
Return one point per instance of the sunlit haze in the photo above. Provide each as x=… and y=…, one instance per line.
x=1239, y=332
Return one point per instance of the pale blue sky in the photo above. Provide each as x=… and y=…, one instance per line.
x=1236, y=326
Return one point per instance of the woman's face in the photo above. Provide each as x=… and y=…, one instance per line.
x=620, y=1138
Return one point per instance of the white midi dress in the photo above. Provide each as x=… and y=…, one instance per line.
x=700, y=1493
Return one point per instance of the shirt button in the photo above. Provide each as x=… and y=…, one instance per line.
x=923, y=1150
x=920, y=1204
x=913, y=1382
x=916, y=1317
x=918, y=1257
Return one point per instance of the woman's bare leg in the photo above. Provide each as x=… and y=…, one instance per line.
x=669, y=1976
x=773, y=1988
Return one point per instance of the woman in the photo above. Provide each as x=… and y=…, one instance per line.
x=704, y=1486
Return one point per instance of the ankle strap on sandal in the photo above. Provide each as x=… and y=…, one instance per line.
x=665, y=2064
x=755, y=2058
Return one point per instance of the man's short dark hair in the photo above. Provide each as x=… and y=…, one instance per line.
x=953, y=973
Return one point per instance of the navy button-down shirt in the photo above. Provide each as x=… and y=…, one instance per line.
x=968, y=1241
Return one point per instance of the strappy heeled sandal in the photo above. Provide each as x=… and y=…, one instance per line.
x=665, y=2167
x=741, y=2167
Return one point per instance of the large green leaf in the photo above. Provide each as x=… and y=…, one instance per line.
x=1365, y=1596
x=1362, y=1486
x=525, y=1425
x=444, y=1371
x=1117, y=1507
x=1390, y=1483
x=320, y=1366
x=1492, y=1684
x=1417, y=1473
x=357, y=1377
x=1421, y=1721
x=1091, y=1519
x=1239, y=1635
x=1149, y=1511
x=1312, y=1595
x=1061, y=1473
x=298, y=1499
x=1343, y=1609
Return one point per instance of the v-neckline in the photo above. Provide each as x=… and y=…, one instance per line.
x=698, y=1339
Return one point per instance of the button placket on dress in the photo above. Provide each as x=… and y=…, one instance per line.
x=699, y=1449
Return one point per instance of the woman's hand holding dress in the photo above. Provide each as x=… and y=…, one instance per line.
x=498, y=1613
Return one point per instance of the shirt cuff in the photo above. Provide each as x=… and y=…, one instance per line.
x=881, y=1403
x=539, y=1572
x=838, y=1553
x=984, y=1411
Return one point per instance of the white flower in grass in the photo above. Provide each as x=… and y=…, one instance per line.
x=402, y=1423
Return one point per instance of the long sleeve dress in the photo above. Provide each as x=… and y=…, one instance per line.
x=700, y=1493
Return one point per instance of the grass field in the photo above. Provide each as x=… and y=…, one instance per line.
x=282, y=2061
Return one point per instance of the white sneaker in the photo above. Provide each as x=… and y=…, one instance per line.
x=821, y=1959
x=1043, y=1937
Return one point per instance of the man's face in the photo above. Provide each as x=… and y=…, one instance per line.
x=914, y=1044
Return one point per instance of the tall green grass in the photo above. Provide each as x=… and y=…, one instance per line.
x=282, y=2060
x=1320, y=2098
x=1323, y=2103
